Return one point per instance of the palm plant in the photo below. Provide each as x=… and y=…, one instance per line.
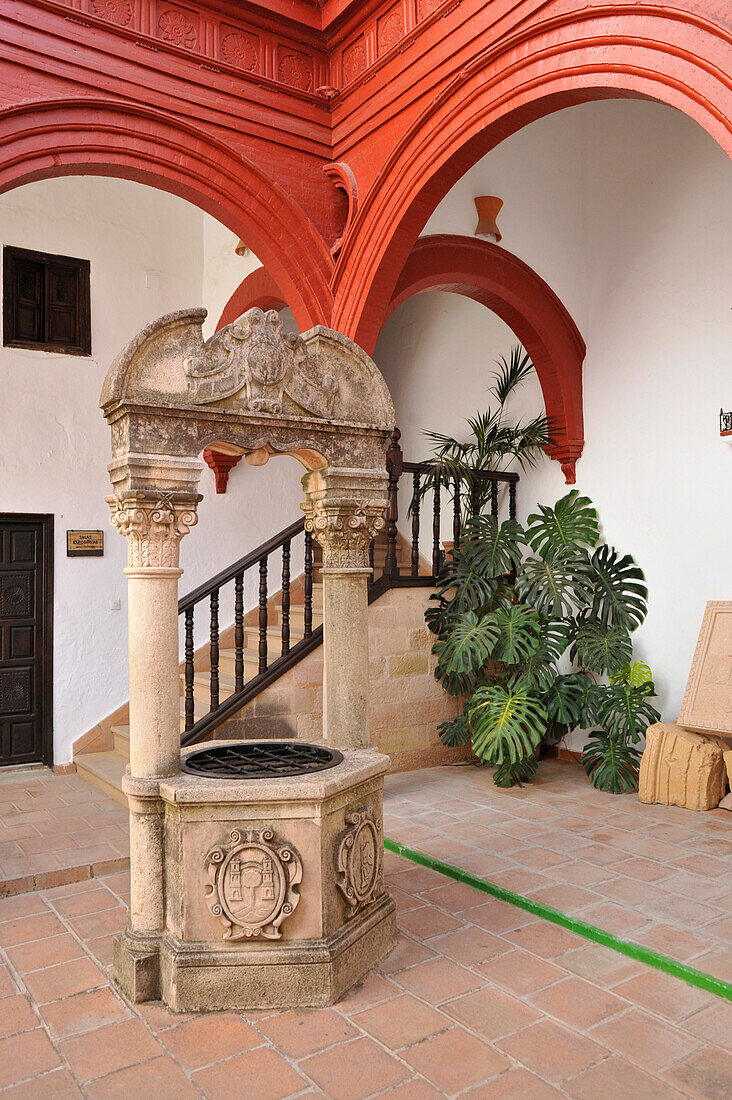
x=493, y=443
x=509, y=605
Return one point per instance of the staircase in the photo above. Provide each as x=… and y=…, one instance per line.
x=239, y=663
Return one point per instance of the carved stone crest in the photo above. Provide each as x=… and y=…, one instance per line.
x=254, y=355
x=359, y=859
x=252, y=884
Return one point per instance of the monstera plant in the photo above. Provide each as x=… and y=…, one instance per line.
x=511, y=604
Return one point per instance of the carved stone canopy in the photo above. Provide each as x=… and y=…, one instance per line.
x=252, y=387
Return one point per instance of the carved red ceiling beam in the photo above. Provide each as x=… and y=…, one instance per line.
x=510, y=288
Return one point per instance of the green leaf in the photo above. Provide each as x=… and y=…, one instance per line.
x=440, y=615
x=555, y=636
x=454, y=733
x=511, y=373
x=610, y=764
x=467, y=577
x=625, y=711
x=601, y=650
x=518, y=633
x=515, y=775
x=620, y=595
x=538, y=672
x=571, y=522
x=496, y=548
x=507, y=724
x=635, y=674
x=565, y=699
x=464, y=650
x=555, y=585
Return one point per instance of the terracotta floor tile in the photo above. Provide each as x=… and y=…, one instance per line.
x=158, y=1017
x=8, y=988
x=601, y=965
x=712, y=1024
x=706, y=1074
x=404, y=901
x=565, y=897
x=298, y=1033
x=578, y=1003
x=402, y=1021
x=499, y=917
x=717, y=962
x=614, y=1078
x=615, y=918
x=545, y=939
x=517, y=1084
x=428, y=921
x=551, y=1050
x=471, y=945
x=455, y=897
x=682, y=911
x=666, y=996
x=16, y=1015
x=642, y=1039
x=416, y=879
x=64, y=980
x=107, y=922
x=56, y=1085
x=406, y=953
x=679, y=943
x=438, y=980
x=417, y=1089
x=26, y=1055
x=88, y=901
x=24, y=929
x=208, y=1039
x=374, y=989
x=160, y=1078
x=83, y=886
x=519, y=972
x=354, y=1070
x=110, y=1048
x=454, y=1060
x=491, y=1012
x=541, y=858
x=41, y=953
x=84, y=1012
x=581, y=873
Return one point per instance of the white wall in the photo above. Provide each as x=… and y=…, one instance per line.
x=150, y=253
x=625, y=208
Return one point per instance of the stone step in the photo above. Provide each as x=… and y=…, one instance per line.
x=104, y=770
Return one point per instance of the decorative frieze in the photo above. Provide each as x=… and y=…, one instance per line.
x=114, y=11
x=177, y=27
x=252, y=884
x=153, y=529
x=359, y=859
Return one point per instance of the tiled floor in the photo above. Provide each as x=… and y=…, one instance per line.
x=55, y=829
x=479, y=999
x=658, y=875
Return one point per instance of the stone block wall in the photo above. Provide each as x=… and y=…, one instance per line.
x=407, y=703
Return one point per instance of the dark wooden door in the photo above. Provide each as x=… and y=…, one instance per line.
x=26, y=638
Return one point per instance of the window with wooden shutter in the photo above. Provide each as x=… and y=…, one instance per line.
x=46, y=302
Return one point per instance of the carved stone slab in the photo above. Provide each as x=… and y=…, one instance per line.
x=252, y=884
x=359, y=859
x=707, y=705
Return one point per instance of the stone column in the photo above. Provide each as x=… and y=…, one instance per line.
x=344, y=509
x=153, y=522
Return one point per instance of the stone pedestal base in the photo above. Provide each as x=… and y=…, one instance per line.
x=274, y=894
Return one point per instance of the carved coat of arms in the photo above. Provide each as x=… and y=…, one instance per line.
x=252, y=884
x=253, y=356
x=359, y=859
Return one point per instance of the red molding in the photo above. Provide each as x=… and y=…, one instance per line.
x=257, y=289
x=111, y=138
x=222, y=465
x=510, y=288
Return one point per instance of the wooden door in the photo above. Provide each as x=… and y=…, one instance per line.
x=26, y=639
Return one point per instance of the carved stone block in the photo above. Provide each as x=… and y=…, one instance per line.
x=681, y=768
x=707, y=703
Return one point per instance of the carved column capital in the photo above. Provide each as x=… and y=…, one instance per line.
x=345, y=530
x=153, y=527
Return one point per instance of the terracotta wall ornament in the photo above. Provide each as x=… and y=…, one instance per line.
x=249, y=917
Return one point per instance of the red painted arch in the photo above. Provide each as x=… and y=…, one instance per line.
x=510, y=288
x=597, y=52
x=257, y=289
x=112, y=138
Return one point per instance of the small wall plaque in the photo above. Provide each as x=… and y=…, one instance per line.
x=84, y=544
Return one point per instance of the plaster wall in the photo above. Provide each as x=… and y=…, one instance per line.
x=150, y=253
x=625, y=209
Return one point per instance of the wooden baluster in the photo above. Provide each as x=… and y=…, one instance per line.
x=262, y=615
x=308, y=584
x=436, y=548
x=494, y=498
x=394, y=468
x=239, y=632
x=189, y=654
x=415, y=523
x=456, y=514
x=475, y=497
x=285, y=597
x=512, y=499
x=214, y=649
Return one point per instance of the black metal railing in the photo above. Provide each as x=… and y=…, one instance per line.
x=423, y=552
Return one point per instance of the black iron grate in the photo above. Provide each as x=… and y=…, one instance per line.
x=260, y=760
